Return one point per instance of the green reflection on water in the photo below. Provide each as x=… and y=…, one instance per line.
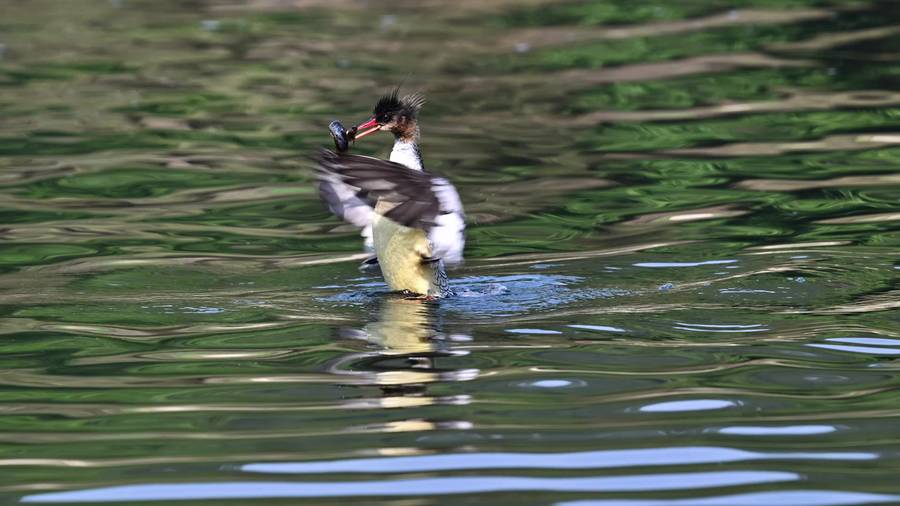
x=691, y=201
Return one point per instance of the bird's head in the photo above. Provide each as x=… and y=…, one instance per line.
x=393, y=114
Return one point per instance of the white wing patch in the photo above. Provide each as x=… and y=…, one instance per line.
x=343, y=201
x=447, y=238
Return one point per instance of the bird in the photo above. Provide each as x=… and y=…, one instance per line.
x=413, y=220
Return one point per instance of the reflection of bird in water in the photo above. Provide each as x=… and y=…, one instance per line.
x=409, y=349
x=404, y=326
x=414, y=220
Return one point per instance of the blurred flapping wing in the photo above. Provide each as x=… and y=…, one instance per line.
x=351, y=185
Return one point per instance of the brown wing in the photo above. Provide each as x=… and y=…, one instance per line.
x=415, y=204
x=420, y=200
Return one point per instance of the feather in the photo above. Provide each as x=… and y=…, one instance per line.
x=349, y=183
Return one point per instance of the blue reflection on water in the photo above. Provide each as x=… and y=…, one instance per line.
x=569, y=460
x=533, y=331
x=664, y=265
x=688, y=405
x=495, y=295
x=698, y=327
x=790, y=430
x=599, y=328
x=874, y=341
x=413, y=487
x=779, y=498
x=869, y=350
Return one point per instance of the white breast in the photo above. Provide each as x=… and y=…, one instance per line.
x=407, y=153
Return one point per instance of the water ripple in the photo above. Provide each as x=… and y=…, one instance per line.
x=781, y=498
x=681, y=254
x=687, y=455
x=412, y=487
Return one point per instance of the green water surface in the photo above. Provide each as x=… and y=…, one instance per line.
x=681, y=284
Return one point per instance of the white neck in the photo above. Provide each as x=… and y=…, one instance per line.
x=406, y=152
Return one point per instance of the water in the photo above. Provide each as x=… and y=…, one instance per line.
x=681, y=286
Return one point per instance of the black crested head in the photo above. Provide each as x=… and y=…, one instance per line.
x=388, y=105
x=392, y=107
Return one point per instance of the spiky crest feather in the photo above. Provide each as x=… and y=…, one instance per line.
x=391, y=103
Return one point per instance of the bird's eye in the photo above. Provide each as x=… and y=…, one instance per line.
x=384, y=118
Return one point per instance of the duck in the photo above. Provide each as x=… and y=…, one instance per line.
x=412, y=220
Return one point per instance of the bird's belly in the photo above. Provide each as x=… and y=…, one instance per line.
x=400, y=250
